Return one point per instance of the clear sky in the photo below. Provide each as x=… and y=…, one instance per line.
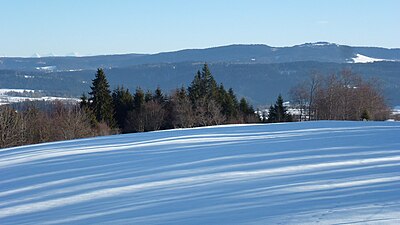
x=90, y=27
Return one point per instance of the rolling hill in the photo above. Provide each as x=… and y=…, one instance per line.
x=257, y=72
x=318, y=52
x=295, y=173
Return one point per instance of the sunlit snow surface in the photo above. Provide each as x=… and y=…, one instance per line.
x=295, y=173
x=365, y=59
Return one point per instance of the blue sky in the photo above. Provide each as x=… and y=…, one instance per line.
x=90, y=27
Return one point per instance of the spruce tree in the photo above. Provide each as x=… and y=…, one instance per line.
x=278, y=112
x=272, y=115
x=224, y=99
x=148, y=96
x=123, y=103
x=159, y=96
x=138, y=99
x=209, y=83
x=203, y=86
x=84, y=101
x=196, y=89
x=100, y=100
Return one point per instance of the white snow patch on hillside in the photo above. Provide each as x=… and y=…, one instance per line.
x=7, y=96
x=6, y=90
x=365, y=59
x=396, y=110
x=289, y=173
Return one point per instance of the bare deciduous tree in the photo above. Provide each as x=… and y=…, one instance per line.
x=154, y=114
x=12, y=127
x=70, y=122
x=183, y=115
x=208, y=112
x=342, y=97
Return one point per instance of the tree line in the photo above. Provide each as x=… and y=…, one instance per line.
x=104, y=112
x=203, y=103
x=343, y=96
x=34, y=124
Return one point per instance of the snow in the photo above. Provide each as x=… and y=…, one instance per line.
x=6, y=90
x=4, y=100
x=365, y=59
x=46, y=68
x=324, y=172
x=396, y=110
x=318, y=44
x=7, y=98
x=323, y=44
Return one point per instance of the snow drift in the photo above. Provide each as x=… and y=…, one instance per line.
x=295, y=173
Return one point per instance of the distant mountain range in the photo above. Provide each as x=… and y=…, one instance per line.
x=318, y=52
x=259, y=72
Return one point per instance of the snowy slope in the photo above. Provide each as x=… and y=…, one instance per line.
x=295, y=173
x=365, y=59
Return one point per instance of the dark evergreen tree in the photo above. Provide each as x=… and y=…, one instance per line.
x=278, y=112
x=159, y=96
x=244, y=107
x=203, y=86
x=135, y=120
x=209, y=83
x=148, y=96
x=227, y=100
x=84, y=101
x=233, y=97
x=247, y=112
x=272, y=115
x=196, y=88
x=139, y=99
x=123, y=103
x=100, y=100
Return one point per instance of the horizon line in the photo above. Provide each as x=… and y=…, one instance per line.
x=77, y=55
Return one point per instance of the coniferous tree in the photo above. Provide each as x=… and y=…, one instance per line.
x=123, y=103
x=227, y=103
x=135, y=121
x=84, y=101
x=196, y=89
x=203, y=93
x=247, y=112
x=210, y=85
x=159, y=96
x=138, y=99
x=278, y=112
x=203, y=86
x=272, y=115
x=100, y=100
x=148, y=96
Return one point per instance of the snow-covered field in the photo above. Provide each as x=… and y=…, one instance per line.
x=294, y=173
x=7, y=96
